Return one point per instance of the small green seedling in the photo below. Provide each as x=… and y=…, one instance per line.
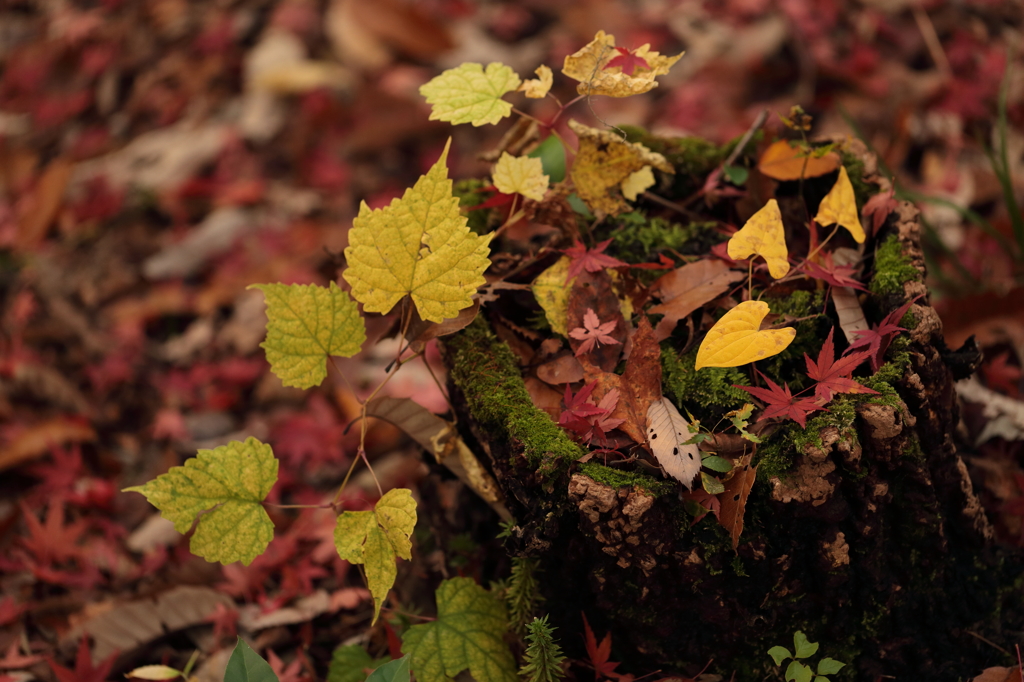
x=799, y=672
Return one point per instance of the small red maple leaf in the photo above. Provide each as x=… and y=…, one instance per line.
x=628, y=60
x=599, y=655
x=593, y=333
x=591, y=260
x=52, y=542
x=225, y=621
x=836, y=275
x=604, y=422
x=586, y=419
x=877, y=340
x=877, y=208
x=84, y=670
x=780, y=402
x=833, y=377
x=14, y=659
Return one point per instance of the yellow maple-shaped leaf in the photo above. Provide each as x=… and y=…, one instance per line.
x=590, y=67
x=763, y=235
x=419, y=245
x=537, y=88
x=839, y=207
x=603, y=162
x=520, y=175
x=307, y=323
x=470, y=94
x=375, y=538
x=737, y=338
x=637, y=182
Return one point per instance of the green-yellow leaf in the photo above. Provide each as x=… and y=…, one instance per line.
x=637, y=182
x=537, y=88
x=737, y=338
x=521, y=175
x=551, y=290
x=419, y=245
x=469, y=94
x=229, y=483
x=305, y=324
x=375, y=538
x=468, y=634
x=350, y=662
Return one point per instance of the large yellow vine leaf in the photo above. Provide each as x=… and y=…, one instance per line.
x=307, y=323
x=375, y=538
x=590, y=66
x=604, y=161
x=840, y=207
x=763, y=235
x=737, y=338
x=419, y=245
x=521, y=175
x=470, y=94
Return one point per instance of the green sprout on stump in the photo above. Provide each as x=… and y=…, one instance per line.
x=799, y=672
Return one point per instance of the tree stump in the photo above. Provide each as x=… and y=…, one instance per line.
x=870, y=540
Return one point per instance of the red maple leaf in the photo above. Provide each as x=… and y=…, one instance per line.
x=780, y=402
x=84, y=670
x=603, y=422
x=10, y=610
x=1002, y=376
x=52, y=542
x=292, y=673
x=591, y=260
x=834, y=377
x=225, y=621
x=877, y=340
x=836, y=275
x=877, y=209
x=627, y=60
x=586, y=419
x=599, y=655
x=14, y=659
x=593, y=333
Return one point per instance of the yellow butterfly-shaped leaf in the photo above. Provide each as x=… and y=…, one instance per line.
x=537, y=88
x=737, y=338
x=764, y=236
x=840, y=207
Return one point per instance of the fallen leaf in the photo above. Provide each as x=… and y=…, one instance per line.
x=685, y=289
x=593, y=291
x=593, y=67
x=780, y=402
x=763, y=235
x=593, y=333
x=591, y=260
x=667, y=433
x=839, y=207
x=737, y=339
x=520, y=175
x=45, y=201
x=782, y=161
x=552, y=288
x=36, y=440
x=848, y=310
x=537, y=88
x=734, y=499
x=833, y=376
x=637, y=182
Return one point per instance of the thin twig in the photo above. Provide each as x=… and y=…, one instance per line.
x=931, y=40
x=989, y=642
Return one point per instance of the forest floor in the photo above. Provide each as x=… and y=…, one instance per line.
x=158, y=157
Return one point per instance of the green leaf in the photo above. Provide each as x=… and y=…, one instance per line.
x=715, y=463
x=740, y=419
x=804, y=648
x=820, y=678
x=551, y=153
x=521, y=174
x=737, y=175
x=711, y=484
x=229, y=483
x=392, y=671
x=350, y=662
x=245, y=665
x=375, y=538
x=419, y=245
x=469, y=94
x=779, y=654
x=830, y=666
x=798, y=672
x=468, y=633
x=305, y=324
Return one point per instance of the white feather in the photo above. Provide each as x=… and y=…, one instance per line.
x=667, y=430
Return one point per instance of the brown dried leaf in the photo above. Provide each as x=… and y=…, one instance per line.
x=37, y=440
x=685, y=289
x=734, y=499
x=562, y=369
x=45, y=201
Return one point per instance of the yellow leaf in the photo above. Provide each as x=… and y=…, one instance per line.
x=537, y=88
x=552, y=293
x=590, y=67
x=419, y=245
x=603, y=162
x=375, y=538
x=763, y=235
x=840, y=207
x=469, y=94
x=637, y=182
x=520, y=175
x=737, y=339
x=783, y=161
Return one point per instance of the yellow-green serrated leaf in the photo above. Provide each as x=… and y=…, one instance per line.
x=305, y=324
x=229, y=483
x=376, y=538
x=468, y=634
x=522, y=175
x=419, y=245
x=551, y=290
x=469, y=94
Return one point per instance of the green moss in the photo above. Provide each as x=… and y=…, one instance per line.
x=777, y=453
x=637, y=237
x=855, y=169
x=488, y=374
x=469, y=194
x=707, y=394
x=692, y=157
x=625, y=479
x=892, y=269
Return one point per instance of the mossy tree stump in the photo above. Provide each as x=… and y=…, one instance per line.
x=862, y=530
